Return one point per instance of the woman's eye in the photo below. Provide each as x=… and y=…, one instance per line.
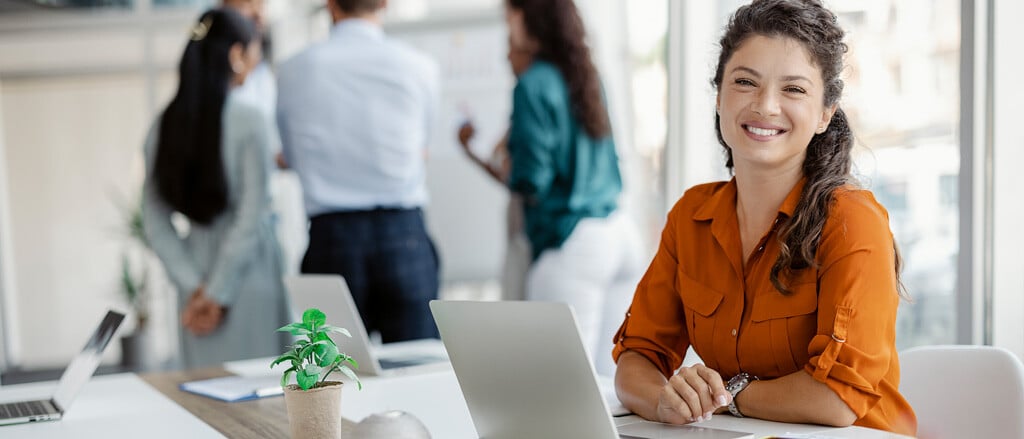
x=743, y=81
x=795, y=90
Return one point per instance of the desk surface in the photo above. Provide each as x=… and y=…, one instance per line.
x=434, y=397
x=125, y=406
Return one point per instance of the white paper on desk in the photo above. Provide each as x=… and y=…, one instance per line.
x=235, y=388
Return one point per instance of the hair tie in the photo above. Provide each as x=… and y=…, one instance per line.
x=201, y=28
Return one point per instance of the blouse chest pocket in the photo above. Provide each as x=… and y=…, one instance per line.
x=790, y=321
x=802, y=299
x=700, y=304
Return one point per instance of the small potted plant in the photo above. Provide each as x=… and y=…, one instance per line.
x=313, y=403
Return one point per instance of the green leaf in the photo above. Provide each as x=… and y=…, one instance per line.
x=352, y=375
x=326, y=354
x=322, y=336
x=351, y=361
x=305, y=380
x=313, y=370
x=311, y=348
x=329, y=328
x=294, y=329
x=290, y=356
x=287, y=375
x=313, y=318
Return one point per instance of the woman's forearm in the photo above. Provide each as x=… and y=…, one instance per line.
x=638, y=383
x=796, y=398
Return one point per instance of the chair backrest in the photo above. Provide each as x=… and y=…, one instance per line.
x=964, y=391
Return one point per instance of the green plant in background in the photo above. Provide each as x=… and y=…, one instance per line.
x=134, y=279
x=315, y=355
x=134, y=290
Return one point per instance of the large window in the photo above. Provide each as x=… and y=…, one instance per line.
x=902, y=94
x=647, y=33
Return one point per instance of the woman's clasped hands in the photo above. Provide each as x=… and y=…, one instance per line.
x=693, y=394
x=202, y=314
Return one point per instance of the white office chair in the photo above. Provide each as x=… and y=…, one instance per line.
x=964, y=391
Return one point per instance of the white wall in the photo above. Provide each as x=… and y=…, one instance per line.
x=66, y=177
x=75, y=104
x=1008, y=208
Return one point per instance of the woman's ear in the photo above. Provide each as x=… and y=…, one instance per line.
x=826, y=118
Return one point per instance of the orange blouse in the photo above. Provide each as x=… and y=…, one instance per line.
x=838, y=324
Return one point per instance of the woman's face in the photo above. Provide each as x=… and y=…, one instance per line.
x=518, y=37
x=245, y=58
x=770, y=104
x=518, y=59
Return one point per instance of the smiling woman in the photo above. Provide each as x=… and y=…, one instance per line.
x=785, y=279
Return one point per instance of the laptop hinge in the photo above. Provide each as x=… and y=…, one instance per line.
x=56, y=406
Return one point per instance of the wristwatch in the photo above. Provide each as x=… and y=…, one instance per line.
x=736, y=385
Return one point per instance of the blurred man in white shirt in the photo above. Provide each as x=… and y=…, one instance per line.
x=355, y=113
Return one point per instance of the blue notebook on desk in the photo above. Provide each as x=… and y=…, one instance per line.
x=235, y=388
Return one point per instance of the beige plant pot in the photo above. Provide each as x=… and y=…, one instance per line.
x=314, y=413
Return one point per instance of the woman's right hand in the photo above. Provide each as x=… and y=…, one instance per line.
x=466, y=132
x=692, y=395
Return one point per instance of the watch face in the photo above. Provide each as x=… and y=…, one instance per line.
x=737, y=382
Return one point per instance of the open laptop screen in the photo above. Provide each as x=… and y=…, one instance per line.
x=85, y=363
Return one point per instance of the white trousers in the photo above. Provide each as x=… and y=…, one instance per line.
x=596, y=272
x=517, y=252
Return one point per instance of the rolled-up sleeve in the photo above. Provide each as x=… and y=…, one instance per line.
x=532, y=140
x=654, y=325
x=854, y=347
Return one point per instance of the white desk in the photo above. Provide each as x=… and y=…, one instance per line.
x=124, y=406
x=114, y=406
x=433, y=395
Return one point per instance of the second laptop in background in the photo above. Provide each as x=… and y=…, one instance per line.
x=331, y=295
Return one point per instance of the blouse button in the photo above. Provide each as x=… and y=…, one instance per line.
x=733, y=332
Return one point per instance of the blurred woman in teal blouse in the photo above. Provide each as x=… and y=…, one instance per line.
x=565, y=167
x=208, y=159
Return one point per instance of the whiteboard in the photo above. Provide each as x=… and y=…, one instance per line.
x=466, y=213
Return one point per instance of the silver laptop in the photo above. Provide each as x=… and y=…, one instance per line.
x=71, y=382
x=524, y=373
x=330, y=294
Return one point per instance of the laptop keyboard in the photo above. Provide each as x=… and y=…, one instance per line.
x=407, y=361
x=23, y=409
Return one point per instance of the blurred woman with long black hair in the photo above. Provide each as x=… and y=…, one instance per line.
x=208, y=158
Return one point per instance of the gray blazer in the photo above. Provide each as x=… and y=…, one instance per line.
x=237, y=256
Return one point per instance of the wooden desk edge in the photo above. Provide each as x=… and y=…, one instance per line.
x=255, y=419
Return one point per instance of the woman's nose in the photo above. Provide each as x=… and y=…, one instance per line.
x=766, y=103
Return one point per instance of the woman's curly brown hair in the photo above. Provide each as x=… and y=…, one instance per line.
x=558, y=28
